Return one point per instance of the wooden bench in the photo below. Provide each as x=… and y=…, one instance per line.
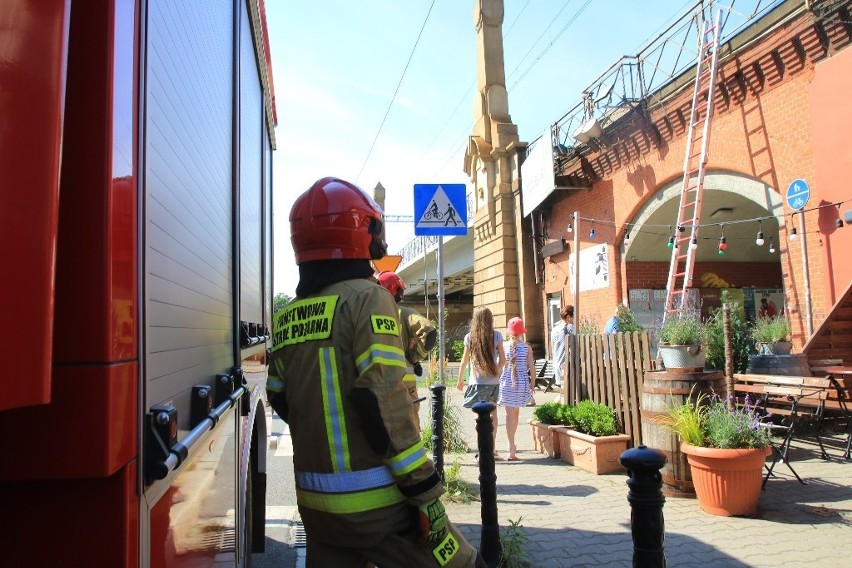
x=821, y=397
x=544, y=374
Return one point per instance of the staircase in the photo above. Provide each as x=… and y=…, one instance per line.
x=684, y=242
x=833, y=339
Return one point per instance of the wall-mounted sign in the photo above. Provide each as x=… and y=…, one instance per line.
x=594, y=268
x=537, y=177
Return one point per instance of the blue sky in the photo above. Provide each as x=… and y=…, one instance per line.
x=337, y=63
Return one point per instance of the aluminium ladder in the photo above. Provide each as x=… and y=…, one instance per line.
x=695, y=160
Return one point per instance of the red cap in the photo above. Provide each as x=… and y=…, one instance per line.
x=516, y=326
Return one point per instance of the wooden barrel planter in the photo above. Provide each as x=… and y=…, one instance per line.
x=661, y=390
x=786, y=365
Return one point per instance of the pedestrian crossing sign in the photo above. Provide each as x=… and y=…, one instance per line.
x=440, y=209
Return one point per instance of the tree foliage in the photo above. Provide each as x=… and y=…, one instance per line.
x=279, y=301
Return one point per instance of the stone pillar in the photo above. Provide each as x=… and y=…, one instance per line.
x=492, y=160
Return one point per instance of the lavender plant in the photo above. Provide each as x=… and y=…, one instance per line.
x=708, y=422
x=738, y=427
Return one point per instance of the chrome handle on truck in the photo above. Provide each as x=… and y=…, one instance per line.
x=163, y=451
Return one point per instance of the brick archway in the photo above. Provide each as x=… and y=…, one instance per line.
x=731, y=204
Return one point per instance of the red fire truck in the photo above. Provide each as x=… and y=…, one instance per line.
x=136, y=141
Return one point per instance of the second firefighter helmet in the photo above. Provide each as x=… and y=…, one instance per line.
x=393, y=283
x=335, y=219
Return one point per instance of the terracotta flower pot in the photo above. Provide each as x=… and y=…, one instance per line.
x=727, y=482
x=595, y=454
x=544, y=439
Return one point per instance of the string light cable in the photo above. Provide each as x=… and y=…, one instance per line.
x=632, y=229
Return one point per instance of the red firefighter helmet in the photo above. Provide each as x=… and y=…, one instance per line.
x=393, y=283
x=335, y=219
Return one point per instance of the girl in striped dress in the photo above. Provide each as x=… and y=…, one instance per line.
x=516, y=386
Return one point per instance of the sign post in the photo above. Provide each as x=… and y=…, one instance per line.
x=798, y=194
x=440, y=210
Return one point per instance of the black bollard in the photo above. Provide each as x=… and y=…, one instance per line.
x=646, y=503
x=489, y=545
x=438, y=428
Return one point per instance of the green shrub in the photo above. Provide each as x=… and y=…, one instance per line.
x=741, y=341
x=512, y=541
x=588, y=327
x=626, y=320
x=594, y=418
x=587, y=417
x=457, y=347
x=454, y=442
x=566, y=414
x=548, y=412
x=457, y=489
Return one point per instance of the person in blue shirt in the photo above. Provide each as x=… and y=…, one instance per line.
x=612, y=326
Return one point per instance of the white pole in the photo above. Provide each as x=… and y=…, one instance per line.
x=575, y=352
x=809, y=318
x=441, y=341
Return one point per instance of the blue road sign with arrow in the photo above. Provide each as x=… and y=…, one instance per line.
x=798, y=194
x=440, y=209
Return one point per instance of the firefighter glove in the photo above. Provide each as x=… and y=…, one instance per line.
x=418, y=369
x=433, y=522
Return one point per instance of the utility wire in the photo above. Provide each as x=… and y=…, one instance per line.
x=461, y=141
x=393, y=98
x=466, y=94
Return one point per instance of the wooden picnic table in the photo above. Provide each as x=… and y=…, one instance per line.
x=841, y=372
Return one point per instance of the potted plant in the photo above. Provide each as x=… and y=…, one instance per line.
x=771, y=335
x=547, y=418
x=591, y=440
x=726, y=446
x=682, y=339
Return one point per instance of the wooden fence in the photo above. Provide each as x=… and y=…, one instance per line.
x=611, y=371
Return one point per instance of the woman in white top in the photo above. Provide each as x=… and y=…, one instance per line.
x=483, y=349
x=516, y=387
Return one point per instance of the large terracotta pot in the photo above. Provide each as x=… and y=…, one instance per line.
x=727, y=482
x=660, y=391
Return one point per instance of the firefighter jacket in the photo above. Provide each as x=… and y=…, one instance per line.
x=336, y=373
x=417, y=333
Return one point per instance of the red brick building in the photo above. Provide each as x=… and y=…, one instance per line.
x=781, y=115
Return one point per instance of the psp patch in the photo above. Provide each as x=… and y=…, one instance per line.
x=384, y=325
x=445, y=551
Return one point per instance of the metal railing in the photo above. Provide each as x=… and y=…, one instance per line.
x=635, y=78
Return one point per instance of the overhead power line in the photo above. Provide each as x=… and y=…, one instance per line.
x=393, y=98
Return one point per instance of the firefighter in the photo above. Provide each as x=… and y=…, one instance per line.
x=418, y=336
x=366, y=490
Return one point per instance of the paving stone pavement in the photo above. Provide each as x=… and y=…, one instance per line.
x=575, y=519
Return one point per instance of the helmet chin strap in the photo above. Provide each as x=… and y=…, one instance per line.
x=378, y=246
